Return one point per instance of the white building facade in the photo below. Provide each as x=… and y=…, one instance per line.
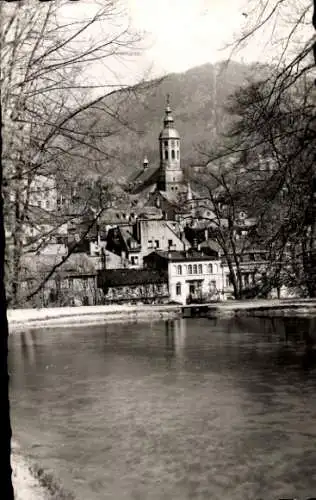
x=194, y=279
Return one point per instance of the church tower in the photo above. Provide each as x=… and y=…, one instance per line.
x=171, y=174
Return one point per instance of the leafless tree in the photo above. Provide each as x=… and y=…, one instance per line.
x=274, y=128
x=53, y=116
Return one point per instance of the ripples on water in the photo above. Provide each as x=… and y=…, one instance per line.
x=191, y=408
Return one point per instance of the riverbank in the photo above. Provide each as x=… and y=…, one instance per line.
x=89, y=315
x=31, y=482
x=26, y=485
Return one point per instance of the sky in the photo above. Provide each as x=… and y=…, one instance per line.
x=187, y=33
x=181, y=34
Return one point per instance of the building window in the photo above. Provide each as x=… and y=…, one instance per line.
x=173, y=155
x=170, y=243
x=172, y=143
x=194, y=269
x=178, y=289
x=64, y=283
x=228, y=281
x=166, y=154
x=200, y=269
x=189, y=269
x=157, y=243
x=166, y=143
x=150, y=244
x=210, y=268
x=178, y=155
x=134, y=260
x=179, y=269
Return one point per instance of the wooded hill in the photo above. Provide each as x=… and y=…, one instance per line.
x=133, y=119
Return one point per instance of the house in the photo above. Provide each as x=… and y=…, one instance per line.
x=133, y=285
x=254, y=265
x=134, y=242
x=121, y=241
x=72, y=283
x=192, y=275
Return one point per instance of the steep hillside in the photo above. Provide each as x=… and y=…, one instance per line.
x=197, y=96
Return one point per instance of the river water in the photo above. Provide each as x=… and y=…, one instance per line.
x=189, y=408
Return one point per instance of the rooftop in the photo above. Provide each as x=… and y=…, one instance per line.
x=178, y=256
x=144, y=175
x=128, y=277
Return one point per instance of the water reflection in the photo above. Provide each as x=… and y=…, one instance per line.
x=191, y=408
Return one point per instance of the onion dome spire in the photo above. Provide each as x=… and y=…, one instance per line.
x=168, y=120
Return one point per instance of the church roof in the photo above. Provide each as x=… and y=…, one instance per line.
x=134, y=175
x=168, y=132
x=145, y=177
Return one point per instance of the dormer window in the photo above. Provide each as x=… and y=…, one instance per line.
x=173, y=154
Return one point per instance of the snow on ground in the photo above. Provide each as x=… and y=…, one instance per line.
x=84, y=315
x=26, y=486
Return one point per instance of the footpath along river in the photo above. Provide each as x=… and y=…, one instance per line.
x=188, y=408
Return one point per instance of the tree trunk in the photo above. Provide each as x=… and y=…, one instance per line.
x=6, y=483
